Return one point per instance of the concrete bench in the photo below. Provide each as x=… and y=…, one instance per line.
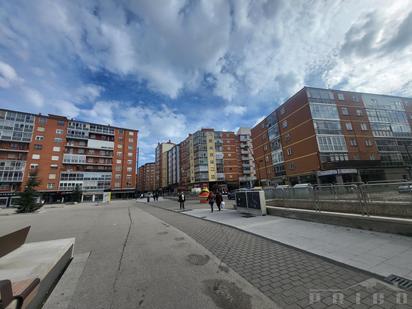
x=29, y=271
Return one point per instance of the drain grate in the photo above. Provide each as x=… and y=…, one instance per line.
x=399, y=282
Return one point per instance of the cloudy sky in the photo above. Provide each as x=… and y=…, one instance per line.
x=169, y=68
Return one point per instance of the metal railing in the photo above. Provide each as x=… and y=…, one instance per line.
x=391, y=199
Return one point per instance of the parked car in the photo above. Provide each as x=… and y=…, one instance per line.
x=231, y=195
x=405, y=188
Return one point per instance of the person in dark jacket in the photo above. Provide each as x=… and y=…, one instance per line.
x=218, y=199
x=211, y=199
x=182, y=200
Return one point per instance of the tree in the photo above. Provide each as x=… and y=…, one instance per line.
x=27, y=201
x=77, y=194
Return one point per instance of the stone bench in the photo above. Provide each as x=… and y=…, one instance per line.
x=28, y=271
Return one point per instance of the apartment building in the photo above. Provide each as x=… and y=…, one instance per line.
x=146, y=178
x=173, y=168
x=161, y=177
x=247, y=161
x=332, y=136
x=65, y=153
x=209, y=157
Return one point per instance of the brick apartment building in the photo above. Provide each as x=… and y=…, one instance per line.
x=146, y=178
x=211, y=158
x=65, y=153
x=247, y=161
x=161, y=164
x=332, y=136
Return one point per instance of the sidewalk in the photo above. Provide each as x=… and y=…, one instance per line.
x=379, y=253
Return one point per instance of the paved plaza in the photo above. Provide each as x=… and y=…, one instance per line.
x=139, y=255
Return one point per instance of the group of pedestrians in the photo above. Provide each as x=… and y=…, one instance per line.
x=155, y=196
x=212, y=199
x=215, y=198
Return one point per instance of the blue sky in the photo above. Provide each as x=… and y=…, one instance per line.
x=168, y=68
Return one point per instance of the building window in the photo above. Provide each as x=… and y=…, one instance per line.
x=130, y=140
x=58, y=140
x=131, y=133
x=53, y=166
x=292, y=166
x=39, y=138
x=341, y=97
x=38, y=146
x=372, y=157
x=289, y=151
x=265, y=147
x=130, y=154
x=34, y=166
x=119, y=161
x=359, y=112
x=287, y=137
x=344, y=111
x=55, y=158
x=57, y=149
x=353, y=142
x=42, y=120
x=52, y=176
x=41, y=129
x=60, y=123
x=364, y=127
x=59, y=131
x=129, y=169
x=348, y=126
x=284, y=124
x=330, y=143
x=282, y=110
x=50, y=185
x=35, y=156
x=117, y=184
x=355, y=98
x=129, y=162
x=368, y=142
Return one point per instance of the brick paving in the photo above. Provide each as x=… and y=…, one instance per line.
x=290, y=277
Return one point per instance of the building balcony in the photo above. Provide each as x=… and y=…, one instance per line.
x=12, y=165
x=6, y=177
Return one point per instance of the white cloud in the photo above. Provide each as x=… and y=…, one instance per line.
x=8, y=75
x=237, y=110
x=376, y=55
x=71, y=57
x=33, y=96
x=89, y=92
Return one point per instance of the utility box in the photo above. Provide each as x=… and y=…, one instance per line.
x=251, y=201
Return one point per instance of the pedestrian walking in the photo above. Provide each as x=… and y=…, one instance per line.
x=219, y=199
x=182, y=200
x=211, y=199
x=148, y=197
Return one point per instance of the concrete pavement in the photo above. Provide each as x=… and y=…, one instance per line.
x=380, y=253
x=137, y=261
x=290, y=277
